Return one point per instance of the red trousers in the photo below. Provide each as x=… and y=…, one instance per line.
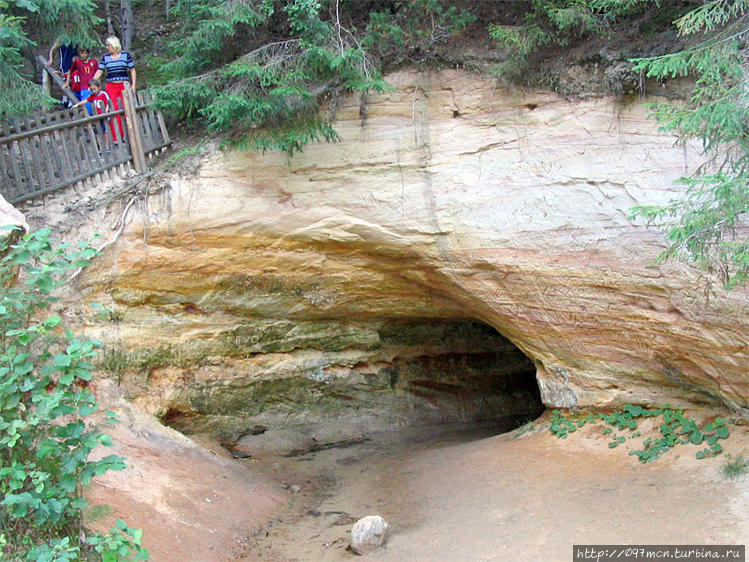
x=114, y=91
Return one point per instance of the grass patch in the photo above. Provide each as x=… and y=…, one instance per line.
x=735, y=467
x=527, y=427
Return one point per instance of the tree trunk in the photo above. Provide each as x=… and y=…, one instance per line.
x=128, y=24
x=108, y=12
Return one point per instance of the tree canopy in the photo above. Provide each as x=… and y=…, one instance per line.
x=271, y=72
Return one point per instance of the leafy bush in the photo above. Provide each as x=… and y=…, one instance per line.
x=44, y=399
x=676, y=429
x=561, y=22
x=269, y=88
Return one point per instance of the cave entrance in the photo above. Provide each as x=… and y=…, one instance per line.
x=459, y=373
x=333, y=381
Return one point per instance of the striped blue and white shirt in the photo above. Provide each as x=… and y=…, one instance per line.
x=117, y=69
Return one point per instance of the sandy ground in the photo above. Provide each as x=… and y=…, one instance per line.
x=502, y=498
x=451, y=497
x=192, y=504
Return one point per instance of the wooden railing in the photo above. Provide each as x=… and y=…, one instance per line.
x=51, y=151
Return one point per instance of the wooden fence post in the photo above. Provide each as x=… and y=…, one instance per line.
x=134, y=132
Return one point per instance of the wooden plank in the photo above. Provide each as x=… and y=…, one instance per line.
x=25, y=132
x=40, y=148
x=157, y=136
x=58, y=149
x=79, y=139
x=71, y=147
x=57, y=80
x=25, y=153
x=64, y=140
x=149, y=131
x=29, y=148
x=47, y=160
x=136, y=139
x=162, y=126
x=153, y=125
x=15, y=156
x=92, y=149
x=158, y=124
x=9, y=184
x=144, y=129
x=71, y=181
x=74, y=138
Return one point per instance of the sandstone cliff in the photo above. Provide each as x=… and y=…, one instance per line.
x=450, y=204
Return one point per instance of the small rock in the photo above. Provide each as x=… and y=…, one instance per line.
x=369, y=534
x=295, y=488
x=237, y=454
x=275, y=441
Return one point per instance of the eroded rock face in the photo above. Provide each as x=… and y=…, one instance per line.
x=454, y=200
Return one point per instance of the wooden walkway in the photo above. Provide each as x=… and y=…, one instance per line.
x=51, y=151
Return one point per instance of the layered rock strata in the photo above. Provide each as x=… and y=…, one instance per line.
x=449, y=201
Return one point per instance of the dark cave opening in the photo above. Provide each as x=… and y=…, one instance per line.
x=413, y=377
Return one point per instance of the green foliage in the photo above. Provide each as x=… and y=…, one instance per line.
x=542, y=26
x=44, y=400
x=53, y=20
x=208, y=28
x=272, y=96
x=735, y=468
x=560, y=22
x=676, y=429
x=187, y=152
x=120, y=543
x=560, y=425
x=409, y=31
x=703, y=225
x=20, y=95
x=270, y=72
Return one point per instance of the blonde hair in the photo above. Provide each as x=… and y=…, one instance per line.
x=113, y=42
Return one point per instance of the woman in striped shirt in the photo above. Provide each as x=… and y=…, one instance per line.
x=120, y=68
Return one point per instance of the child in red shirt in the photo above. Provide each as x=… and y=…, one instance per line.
x=82, y=70
x=100, y=100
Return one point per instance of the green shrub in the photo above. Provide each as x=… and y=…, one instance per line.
x=676, y=429
x=44, y=400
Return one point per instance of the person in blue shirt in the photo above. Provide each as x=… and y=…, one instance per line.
x=68, y=52
x=120, y=69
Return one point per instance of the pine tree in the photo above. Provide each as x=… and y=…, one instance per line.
x=270, y=72
x=65, y=21
x=271, y=96
x=705, y=225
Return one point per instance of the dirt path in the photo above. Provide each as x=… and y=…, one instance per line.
x=501, y=499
